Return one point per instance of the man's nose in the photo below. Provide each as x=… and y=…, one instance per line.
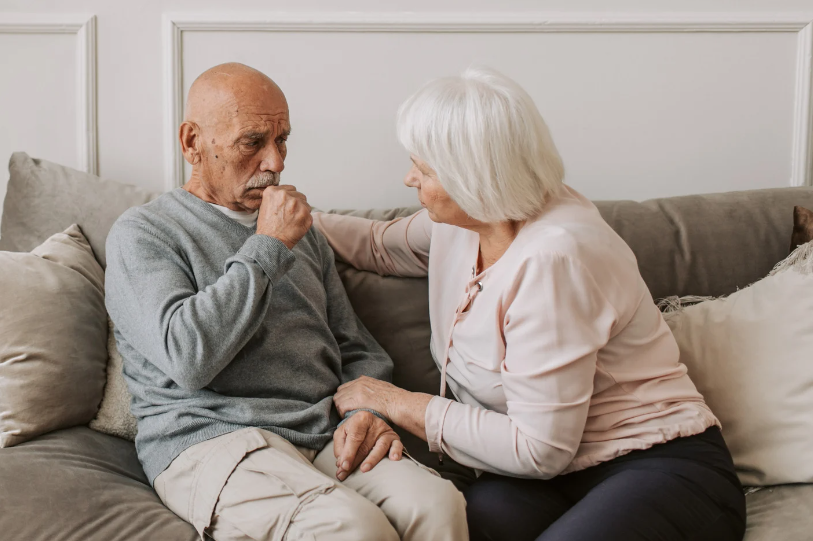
x=273, y=160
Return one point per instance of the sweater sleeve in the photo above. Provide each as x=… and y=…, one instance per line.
x=556, y=321
x=189, y=334
x=398, y=247
x=361, y=354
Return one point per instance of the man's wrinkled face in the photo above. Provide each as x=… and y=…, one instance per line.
x=243, y=149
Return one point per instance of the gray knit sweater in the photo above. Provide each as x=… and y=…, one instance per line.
x=221, y=328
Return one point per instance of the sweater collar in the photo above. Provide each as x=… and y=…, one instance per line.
x=205, y=207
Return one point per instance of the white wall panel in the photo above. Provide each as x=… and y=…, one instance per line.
x=48, y=89
x=37, y=97
x=635, y=115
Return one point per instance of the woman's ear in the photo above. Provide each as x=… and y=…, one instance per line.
x=189, y=135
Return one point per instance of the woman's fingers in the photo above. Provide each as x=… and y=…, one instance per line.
x=361, y=380
x=351, y=383
x=352, y=398
x=344, y=402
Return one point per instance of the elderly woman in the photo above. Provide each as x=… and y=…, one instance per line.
x=570, y=396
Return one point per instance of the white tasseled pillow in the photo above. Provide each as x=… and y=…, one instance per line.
x=751, y=356
x=114, y=415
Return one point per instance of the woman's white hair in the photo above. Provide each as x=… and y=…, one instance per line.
x=491, y=149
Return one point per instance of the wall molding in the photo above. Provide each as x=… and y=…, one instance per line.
x=85, y=29
x=798, y=23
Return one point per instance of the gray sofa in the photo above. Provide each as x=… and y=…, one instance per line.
x=77, y=484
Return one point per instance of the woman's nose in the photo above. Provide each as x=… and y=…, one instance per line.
x=411, y=179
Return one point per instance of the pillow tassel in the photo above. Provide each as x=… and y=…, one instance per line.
x=800, y=260
x=674, y=305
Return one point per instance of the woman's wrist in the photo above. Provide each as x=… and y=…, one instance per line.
x=408, y=410
x=393, y=403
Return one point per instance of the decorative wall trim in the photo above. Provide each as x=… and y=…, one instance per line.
x=802, y=154
x=85, y=29
x=799, y=23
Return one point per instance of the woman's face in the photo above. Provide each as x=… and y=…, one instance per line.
x=433, y=197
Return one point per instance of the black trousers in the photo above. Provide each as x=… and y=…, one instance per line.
x=685, y=489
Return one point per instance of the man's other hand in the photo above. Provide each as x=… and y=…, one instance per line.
x=284, y=214
x=364, y=439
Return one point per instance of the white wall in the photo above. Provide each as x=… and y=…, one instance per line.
x=653, y=99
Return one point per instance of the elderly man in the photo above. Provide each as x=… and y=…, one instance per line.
x=236, y=331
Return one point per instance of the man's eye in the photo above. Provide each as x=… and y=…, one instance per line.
x=253, y=143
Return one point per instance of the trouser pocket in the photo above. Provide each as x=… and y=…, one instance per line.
x=213, y=469
x=266, y=490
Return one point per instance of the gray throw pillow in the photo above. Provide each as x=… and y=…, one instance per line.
x=53, y=337
x=43, y=198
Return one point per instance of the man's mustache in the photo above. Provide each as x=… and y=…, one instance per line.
x=263, y=180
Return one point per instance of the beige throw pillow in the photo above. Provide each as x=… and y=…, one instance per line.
x=53, y=337
x=44, y=198
x=114, y=415
x=751, y=356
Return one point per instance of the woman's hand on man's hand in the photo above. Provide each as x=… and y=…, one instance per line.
x=368, y=393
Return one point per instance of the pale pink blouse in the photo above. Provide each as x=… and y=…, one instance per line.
x=557, y=353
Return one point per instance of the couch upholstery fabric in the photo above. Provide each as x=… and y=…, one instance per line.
x=781, y=513
x=77, y=484
x=80, y=485
x=707, y=244
x=44, y=198
x=53, y=337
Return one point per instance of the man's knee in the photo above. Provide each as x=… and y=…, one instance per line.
x=367, y=522
x=341, y=515
x=432, y=499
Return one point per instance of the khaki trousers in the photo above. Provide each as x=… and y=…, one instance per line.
x=254, y=485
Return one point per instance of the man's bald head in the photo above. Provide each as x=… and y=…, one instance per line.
x=223, y=86
x=234, y=132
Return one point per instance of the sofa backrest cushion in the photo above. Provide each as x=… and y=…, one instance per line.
x=707, y=245
x=44, y=198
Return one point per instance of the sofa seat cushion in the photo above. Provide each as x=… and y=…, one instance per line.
x=780, y=513
x=79, y=485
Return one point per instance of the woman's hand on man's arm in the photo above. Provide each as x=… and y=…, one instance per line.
x=404, y=408
x=398, y=247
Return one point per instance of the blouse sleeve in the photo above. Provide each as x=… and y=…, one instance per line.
x=398, y=247
x=556, y=321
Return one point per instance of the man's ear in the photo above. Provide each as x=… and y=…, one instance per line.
x=190, y=138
